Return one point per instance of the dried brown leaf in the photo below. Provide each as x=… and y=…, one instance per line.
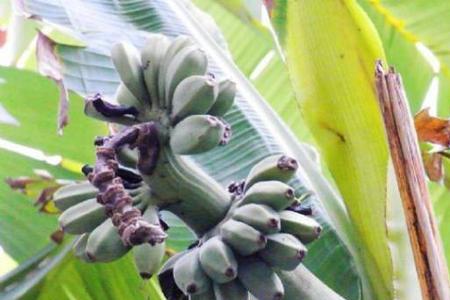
x=433, y=166
x=269, y=6
x=50, y=66
x=432, y=129
x=40, y=187
x=19, y=183
x=57, y=236
x=446, y=166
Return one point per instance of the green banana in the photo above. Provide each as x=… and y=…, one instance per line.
x=83, y=217
x=196, y=134
x=124, y=97
x=241, y=237
x=261, y=217
x=148, y=257
x=151, y=57
x=189, y=275
x=178, y=44
x=69, y=195
x=79, y=247
x=276, y=167
x=187, y=62
x=225, y=98
x=275, y=194
x=230, y=291
x=260, y=280
x=305, y=228
x=104, y=243
x=283, y=251
x=217, y=260
x=193, y=96
x=127, y=62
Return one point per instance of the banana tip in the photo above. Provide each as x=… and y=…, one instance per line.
x=278, y=296
x=146, y=275
x=191, y=288
x=262, y=240
x=229, y=272
x=301, y=254
x=273, y=223
x=287, y=163
x=290, y=193
x=90, y=256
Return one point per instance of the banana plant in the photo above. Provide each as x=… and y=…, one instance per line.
x=233, y=173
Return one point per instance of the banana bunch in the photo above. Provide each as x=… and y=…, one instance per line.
x=259, y=234
x=166, y=82
x=99, y=240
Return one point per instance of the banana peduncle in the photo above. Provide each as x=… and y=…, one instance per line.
x=185, y=190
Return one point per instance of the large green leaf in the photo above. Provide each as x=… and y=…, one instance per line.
x=271, y=77
x=401, y=25
x=258, y=131
x=31, y=100
x=331, y=49
x=55, y=274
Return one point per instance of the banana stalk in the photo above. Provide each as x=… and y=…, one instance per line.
x=185, y=190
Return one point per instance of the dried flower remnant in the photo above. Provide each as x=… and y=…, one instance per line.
x=112, y=194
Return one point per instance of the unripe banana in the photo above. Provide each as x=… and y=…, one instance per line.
x=260, y=279
x=165, y=277
x=79, y=247
x=189, y=61
x=196, y=134
x=275, y=194
x=303, y=227
x=230, y=291
x=83, y=217
x=276, y=167
x=283, y=251
x=225, y=98
x=148, y=257
x=69, y=195
x=189, y=275
x=241, y=237
x=127, y=62
x=261, y=217
x=217, y=260
x=193, y=96
x=178, y=44
x=124, y=97
x=152, y=56
x=104, y=243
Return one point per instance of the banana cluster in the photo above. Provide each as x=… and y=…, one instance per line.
x=259, y=234
x=166, y=82
x=99, y=240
